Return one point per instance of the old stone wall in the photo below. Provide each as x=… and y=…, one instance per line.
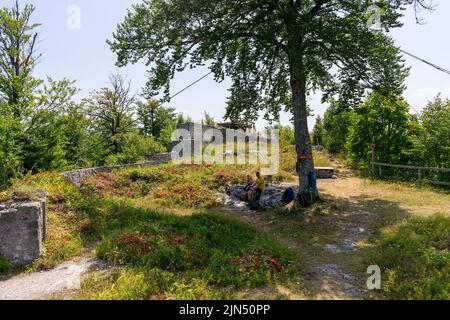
x=77, y=176
x=197, y=134
x=196, y=130
x=22, y=231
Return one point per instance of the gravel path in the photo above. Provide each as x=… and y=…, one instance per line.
x=42, y=285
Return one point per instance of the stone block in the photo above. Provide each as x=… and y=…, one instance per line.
x=325, y=172
x=22, y=231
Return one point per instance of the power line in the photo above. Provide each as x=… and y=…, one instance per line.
x=191, y=85
x=426, y=62
x=418, y=113
x=434, y=66
x=405, y=52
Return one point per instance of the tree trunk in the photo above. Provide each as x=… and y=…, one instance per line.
x=305, y=164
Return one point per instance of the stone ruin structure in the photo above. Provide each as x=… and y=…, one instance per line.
x=22, y=231
x=200, y=133
x=77, y=176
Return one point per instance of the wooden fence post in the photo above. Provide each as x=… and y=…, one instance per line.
x=372, y=147
x=420, y=171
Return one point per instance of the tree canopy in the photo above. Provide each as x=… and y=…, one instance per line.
x=384, y=121
x=257, y=43
x=41, y=126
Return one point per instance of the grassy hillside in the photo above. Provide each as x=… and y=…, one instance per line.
x=163, y=232
x=127, y=219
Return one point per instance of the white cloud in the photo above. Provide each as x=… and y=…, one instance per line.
x=419, y=98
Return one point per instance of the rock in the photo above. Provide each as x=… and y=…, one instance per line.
x=233, y=204
x=348, y=246
x=334, y=270
x=238, y=192
x=41, y=194
x=357, y=231
x=325, y=172
x=271, y=197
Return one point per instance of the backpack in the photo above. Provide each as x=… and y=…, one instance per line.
x=288, y=196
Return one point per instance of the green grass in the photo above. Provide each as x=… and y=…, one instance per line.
x=4, y=264
x=167, y=185
x=127, y=219
x=190, y=257
x=73, y=212
x=415, y=259
x=173, y=186
x=166, y=256
x=158, y=254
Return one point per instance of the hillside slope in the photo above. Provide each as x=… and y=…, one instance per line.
x=164, y=236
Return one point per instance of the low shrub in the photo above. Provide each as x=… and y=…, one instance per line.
x=4, y=264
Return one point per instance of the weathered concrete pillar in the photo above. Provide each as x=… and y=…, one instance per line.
x=22, y=231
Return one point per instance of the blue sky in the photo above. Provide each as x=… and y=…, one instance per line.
x=83, y=55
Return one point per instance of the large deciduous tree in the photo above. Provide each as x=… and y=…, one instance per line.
x=432, y=143
x=386, y=122
x=275, y=52
x=18, y=58
x=111, y=109
x=336, y=123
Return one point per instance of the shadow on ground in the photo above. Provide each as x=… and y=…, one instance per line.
x=330, y=238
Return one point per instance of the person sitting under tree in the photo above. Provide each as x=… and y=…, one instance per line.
x=256, y=191
x=260, y=184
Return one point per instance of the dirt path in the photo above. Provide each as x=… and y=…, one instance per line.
x=330, y=236
x=334, y=272
x=44, y=285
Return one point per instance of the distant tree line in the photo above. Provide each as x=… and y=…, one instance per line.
x=42, y=128
x=386, y=121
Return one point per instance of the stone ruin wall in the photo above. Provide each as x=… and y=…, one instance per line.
x=22, y=231
x=77, y=176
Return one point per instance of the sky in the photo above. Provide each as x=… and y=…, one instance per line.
x=78, y=51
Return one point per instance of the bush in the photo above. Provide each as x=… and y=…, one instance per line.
x=135, y=149
x=4, y=264
x=199, y=255
x=385, y=121
x=335, y=129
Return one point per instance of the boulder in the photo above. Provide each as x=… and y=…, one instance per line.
x=270, y=198
x=325, y=172
x=237, y=192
